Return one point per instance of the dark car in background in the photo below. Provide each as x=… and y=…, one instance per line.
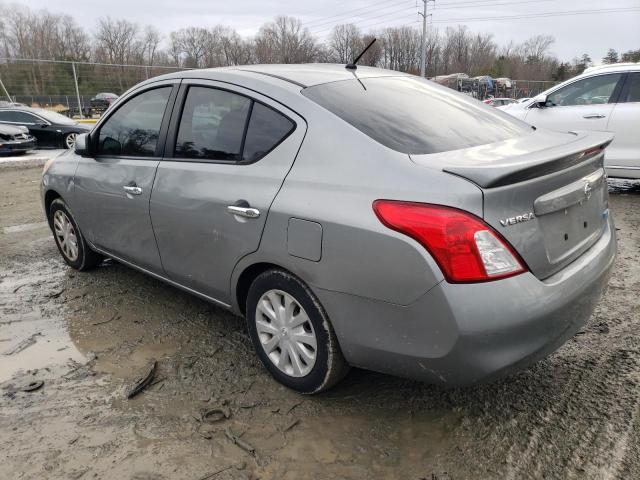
x=102, y=101
x=15, y=139
x=49, y=128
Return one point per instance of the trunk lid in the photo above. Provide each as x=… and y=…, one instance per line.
x=546, y=193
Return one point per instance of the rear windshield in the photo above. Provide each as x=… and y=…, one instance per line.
x=415, y=116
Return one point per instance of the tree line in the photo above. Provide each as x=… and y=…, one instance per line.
x=25, y=33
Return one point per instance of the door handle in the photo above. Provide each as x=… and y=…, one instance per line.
x=593, y=115
x=246, y=212
x=132, y=189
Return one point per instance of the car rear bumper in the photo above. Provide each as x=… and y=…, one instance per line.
x=460, y=334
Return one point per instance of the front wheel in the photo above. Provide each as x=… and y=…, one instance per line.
x=292, y=335
x=69, y=239
x=70, y=140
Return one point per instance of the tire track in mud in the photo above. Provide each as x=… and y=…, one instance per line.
x=589, y=429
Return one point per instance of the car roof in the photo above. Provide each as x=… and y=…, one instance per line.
x=612, y=67
x=310, y=74
x=17, y=108
x=302, y=75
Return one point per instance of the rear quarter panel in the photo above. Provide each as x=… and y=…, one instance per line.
x=337, y=175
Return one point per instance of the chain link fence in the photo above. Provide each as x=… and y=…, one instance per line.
x=68, y=87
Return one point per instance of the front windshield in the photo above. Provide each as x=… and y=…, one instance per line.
x=54, y=117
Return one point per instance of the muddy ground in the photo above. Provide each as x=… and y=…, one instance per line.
x=89, y=336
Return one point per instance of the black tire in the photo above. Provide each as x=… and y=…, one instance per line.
x=85, y=258
x=330, y=366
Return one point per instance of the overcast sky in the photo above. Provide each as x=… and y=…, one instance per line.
x=575, y=33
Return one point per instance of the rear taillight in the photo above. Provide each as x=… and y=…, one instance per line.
x=465, y=248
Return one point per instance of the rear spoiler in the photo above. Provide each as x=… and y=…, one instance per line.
x=522, y=167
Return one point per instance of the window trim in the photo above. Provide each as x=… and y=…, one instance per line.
x=162, y=135
x=172, y=134
x=43, y=121
x=625, y=88
x=615, y=95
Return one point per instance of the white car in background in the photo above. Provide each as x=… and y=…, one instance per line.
x=603, y=98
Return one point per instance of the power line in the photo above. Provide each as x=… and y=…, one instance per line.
x=448, y=5
x=538, y=15
x=483, y=5
x=349, y=12
x=454, y=5
x=387, y=14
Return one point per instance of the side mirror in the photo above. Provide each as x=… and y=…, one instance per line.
x=82, y=145
x=539, y=101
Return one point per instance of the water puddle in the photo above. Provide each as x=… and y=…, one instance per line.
x=33, y=332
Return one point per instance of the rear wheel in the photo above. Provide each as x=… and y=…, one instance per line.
x=70, y=140
x=292, y=335
x=69, y=239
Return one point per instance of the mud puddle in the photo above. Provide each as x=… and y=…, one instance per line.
x=34, y=332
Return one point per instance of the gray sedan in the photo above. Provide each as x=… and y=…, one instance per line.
x=354, y=217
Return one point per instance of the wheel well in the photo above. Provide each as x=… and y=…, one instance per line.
x=49, y=197
x=246, y=279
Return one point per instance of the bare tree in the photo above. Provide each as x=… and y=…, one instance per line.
x=237, y=51
x=345, y=43
x=116, y=41
x=401, y=49
x=537, y=47
x=373, y=56
x=284, y=41
x=191, y=46
x=151, y=39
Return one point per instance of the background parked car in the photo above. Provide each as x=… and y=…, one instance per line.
x=604, y=98
x=102, y=101
x=15, y=139
x=4, y=103
x=49, y=128
x=499, y=102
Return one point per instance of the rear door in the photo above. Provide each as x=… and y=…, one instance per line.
x=585, y=104
x=227, y=155
x=112, y=190
x=623, y=156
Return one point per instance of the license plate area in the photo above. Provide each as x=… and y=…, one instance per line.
x=574, y=228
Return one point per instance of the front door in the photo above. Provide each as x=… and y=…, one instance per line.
x=585, y=104
x=228, y=152
x=623, y=155
x=112, y=190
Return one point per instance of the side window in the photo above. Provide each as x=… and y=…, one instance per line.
x=267, y=128
x=588, y=91
x=212, y=124
x=134, y=128
x=18, y=117
x=631, y=92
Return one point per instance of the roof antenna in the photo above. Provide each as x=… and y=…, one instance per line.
x=352, y=65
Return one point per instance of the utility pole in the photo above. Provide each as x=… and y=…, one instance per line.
x=5, y=90
x=75, y=80
x=423, y=50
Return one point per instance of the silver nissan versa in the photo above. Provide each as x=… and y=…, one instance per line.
x=356, y=217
